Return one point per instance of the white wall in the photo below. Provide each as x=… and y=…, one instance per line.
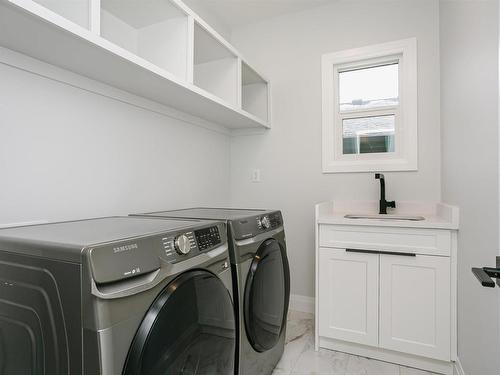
x=288, y=50
x=69, y=153
x=469, y=123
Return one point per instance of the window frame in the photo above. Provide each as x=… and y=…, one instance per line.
x=404, y=157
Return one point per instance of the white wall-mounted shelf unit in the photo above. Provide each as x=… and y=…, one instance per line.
x=215, y=66
x=254, y=93
x=155, y=30
x=77, y=11
x=160, y=50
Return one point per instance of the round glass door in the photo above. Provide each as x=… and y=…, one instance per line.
x=188, y=330
x=267, y=293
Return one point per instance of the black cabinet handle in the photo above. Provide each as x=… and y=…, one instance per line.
x=377, y=252
x=486, y=275
x=483, y=277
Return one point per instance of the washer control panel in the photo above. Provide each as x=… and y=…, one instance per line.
x=178, y=246
x=181, y=246
x=131, y=257
x=207, y=237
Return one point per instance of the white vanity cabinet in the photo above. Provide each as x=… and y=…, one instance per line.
x=415, y=305
x=348, y=296
x=387, y=289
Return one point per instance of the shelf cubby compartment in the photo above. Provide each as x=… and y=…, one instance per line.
x=77, y=11
x=215, y=67
x=254, y=93
x=155, y=30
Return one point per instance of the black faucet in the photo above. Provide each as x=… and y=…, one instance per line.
x=383, y=203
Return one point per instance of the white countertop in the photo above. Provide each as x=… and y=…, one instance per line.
x=436, y=215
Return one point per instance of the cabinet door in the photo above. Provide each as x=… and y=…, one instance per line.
x=415, y=305
x=348, y=296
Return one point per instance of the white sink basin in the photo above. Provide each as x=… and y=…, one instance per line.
x=384, y=217
x=407, y=215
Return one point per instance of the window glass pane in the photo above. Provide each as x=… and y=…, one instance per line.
x=369, y=87
x=368, y=134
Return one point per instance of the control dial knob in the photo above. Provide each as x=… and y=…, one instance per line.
x=265, y=222
x=182, y=244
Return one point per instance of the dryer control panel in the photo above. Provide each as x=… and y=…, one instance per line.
x=255, y=225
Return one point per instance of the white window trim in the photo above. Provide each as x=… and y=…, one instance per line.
x=405, y=158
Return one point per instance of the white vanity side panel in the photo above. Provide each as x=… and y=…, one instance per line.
x=415, y=305
x=411, y=240
x=348, y=296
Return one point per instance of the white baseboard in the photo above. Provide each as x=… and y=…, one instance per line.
x=301, y=303
x=431, y=365
x=458, y=369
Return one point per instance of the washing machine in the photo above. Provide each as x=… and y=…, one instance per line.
x=116, y=296
x=261, y=279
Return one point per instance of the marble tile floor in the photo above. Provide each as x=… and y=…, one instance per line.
x=300, y=358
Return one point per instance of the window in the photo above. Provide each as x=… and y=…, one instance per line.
x=370, y=108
